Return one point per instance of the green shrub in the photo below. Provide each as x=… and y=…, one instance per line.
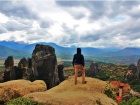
x=132, y=101
x=123, y=103
x=109, y=92
x=136, y=102
x=22, y=101
x=136, y=87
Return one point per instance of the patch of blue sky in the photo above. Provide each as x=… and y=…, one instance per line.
x=118, y=19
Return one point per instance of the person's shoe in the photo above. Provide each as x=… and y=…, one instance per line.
x=84, y=82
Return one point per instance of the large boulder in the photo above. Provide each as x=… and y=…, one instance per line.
x=93, y=70
x=18, y=88
x=44, y=64
x=67, y=93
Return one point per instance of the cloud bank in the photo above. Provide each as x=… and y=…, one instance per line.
x=102, y=24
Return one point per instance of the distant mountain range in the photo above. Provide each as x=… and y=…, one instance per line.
x=58, y=49
x=19, y=50
x=124, y=52
x=6, y=51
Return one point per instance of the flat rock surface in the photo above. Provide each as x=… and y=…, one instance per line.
x=18, y=88
x=91, y=93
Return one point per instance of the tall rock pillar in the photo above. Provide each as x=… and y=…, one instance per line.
x=44, y=64
x=138, y=69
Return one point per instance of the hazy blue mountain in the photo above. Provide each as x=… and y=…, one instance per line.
x=123, y=56
x=66, y=51
x=13, y=45
x=6, y=51
x=61, y=52
x=29, y=48
x=124, y=52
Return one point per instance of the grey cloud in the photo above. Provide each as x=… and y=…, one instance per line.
x=69, y=3
x=99, y=9
x=12, y=38
x=129, y=29
x=130, y=4
x=38, y=38
x=90, y=38
x=17, y=9
x=2, y=29
x=120, y=7
x=71, y=35
x=26, y=22
x=34, y=37
x=45, y=23
x=95, y=35
x=15, y=26
x=110, y=9
x=38, y=34
x=77, y=15
x=67, y=6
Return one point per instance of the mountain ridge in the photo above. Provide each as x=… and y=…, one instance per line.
x=6, y=51
x=129, y=54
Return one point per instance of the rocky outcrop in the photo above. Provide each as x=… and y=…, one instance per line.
x=44, y=65
x=66, y=93
x=60, y=72
x=23, y=63
x=9, y=73
x=131, y=73
x=93, y=70
x=133, y=68
x=138, y=69
x=23, y=69
x=18, y=88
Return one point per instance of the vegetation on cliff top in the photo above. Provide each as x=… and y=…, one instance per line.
x=22, y=101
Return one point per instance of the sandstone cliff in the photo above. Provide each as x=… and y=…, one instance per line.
x=18, y=88
x=44, y=64
x=66, y=93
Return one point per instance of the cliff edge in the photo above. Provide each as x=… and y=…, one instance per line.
x=67, y=93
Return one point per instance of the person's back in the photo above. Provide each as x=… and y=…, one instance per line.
x=78, y=64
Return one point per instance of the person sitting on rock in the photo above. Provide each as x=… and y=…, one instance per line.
x=78, y=64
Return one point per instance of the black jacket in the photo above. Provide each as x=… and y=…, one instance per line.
x=78, y=58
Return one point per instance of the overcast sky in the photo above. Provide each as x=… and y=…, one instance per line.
x=102, y=24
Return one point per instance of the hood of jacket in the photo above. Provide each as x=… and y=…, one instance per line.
x=78, y=50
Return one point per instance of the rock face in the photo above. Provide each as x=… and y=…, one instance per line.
x=18, y=88
x=66, y=93
x=93, y=70
x=23, y=63
x=9, y=73
x=9, y=62
x=23, y=70
x=138, y=69
x=44, y=65
x=60, y=72
x=131, y=72
x=133, y=68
